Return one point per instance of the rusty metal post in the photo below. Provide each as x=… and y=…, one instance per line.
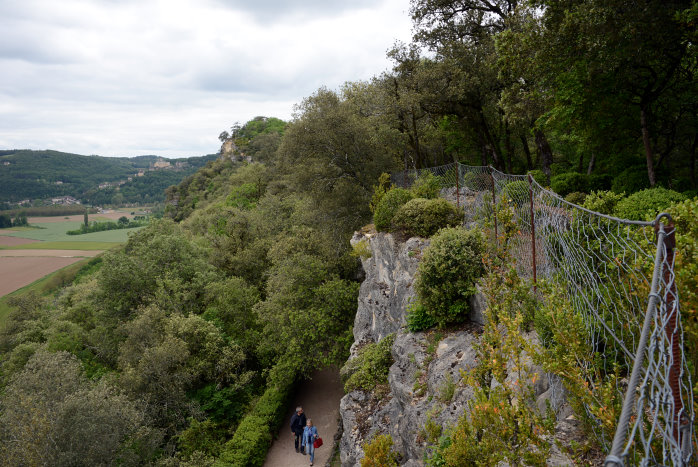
x=533, y=230
x=672, y=328
x=494, y=210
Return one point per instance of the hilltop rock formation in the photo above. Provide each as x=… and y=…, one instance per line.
x=423, y=380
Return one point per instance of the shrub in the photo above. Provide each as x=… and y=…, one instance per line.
x=603, y=201
x=448, y=272
x=647, y=203
x=426, y=186
x=576, y=198
x=631, y=180
x=539, y=177
x=600, y=182
x=517, y=192
x=379, y=453
x=566, y=183
x=418, y=318
x=371, y=365
x=424, y=217
x=388, y=206
x=379, y=191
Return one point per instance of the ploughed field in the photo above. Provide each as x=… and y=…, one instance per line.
x=28, y=254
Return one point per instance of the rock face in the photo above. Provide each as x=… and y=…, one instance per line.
x=423, y=392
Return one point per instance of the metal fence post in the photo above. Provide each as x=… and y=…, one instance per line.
x=533, y=230
x=615, y=458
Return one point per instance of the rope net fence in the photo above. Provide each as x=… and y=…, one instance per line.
x=618, y=275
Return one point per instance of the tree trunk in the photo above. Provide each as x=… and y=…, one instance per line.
x=648, y=146
x=546, y=154
x=527, y=151
x=592, y=163
x=496, y=153
x=509, y=148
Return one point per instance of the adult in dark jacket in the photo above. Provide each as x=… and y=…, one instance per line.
x=297, y=425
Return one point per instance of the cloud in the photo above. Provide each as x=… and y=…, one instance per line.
x=117, y=77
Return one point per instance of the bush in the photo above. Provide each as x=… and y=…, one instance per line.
x=566, y=183
x=424, y=217
x=517, y=192
x=371, y=365
x=426, y=186
x=576, y=198
x=448, y=272
x=603, y=201
x=378, y=452
x=600, y=182
x=388, y=206
x=631, y=180
x=539, y=177
x=380, y=190
x=418, y=318
x=646, y=204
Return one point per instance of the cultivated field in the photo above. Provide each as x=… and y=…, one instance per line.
x=16, y=272
x=30, y=253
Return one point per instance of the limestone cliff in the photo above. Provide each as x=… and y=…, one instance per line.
x=423, y=380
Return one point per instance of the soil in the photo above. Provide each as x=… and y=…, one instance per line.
x=16, y=272
x=112, y=215
x=12, y=241
x=319, y=397
x=51, y=253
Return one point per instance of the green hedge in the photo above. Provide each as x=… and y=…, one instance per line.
x=567, y=183
x=253, y=436
x=646, y=204
x=424, y=217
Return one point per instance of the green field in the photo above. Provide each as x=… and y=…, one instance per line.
x=56, y=232
x=63, y=246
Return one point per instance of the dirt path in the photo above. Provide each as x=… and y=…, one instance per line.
x=320, y=400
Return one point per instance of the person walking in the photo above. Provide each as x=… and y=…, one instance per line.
x=309, y=437
x=297, y=427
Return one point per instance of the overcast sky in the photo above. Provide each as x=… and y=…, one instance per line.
x=165, y=77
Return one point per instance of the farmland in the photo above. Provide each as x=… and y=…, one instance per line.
x=27, y=254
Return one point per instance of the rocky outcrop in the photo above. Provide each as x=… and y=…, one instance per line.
x=424, y=394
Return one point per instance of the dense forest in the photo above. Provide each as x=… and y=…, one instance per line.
x=181, y=347
x=38, y=175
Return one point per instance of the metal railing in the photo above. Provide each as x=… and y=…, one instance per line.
x=618, y=278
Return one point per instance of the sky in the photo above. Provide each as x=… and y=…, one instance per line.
x=166, y=77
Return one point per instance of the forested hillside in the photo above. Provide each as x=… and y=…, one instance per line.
x=26, y=174
x=182, y=347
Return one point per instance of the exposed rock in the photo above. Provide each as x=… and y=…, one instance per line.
x=425, y=378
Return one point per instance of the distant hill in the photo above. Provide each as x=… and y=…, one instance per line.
x=39, y=175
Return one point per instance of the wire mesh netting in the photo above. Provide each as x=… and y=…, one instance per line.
x=618, y=276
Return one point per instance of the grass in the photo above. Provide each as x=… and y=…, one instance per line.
x=56, y=232
x=43, y=286
x=63, y=246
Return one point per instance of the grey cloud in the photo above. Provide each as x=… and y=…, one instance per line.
x=275, y=10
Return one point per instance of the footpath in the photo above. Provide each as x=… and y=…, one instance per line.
x=320, y=398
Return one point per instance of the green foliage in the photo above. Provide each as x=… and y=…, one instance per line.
x=380, y=190
x=539, y=177
x=603, y=201
x=389, y=206
x=370, y=367
x=631, y=180
x=424, y=217
x=243, y=196
x=378, y=452
x=426, y=186
x=361, y=249
x=447, y=274
x=576, y=198
x=123, y=223
x=567, y=183
x=646, y=204
x=419, y=318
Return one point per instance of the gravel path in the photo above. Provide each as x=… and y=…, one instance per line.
x=320, y=398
